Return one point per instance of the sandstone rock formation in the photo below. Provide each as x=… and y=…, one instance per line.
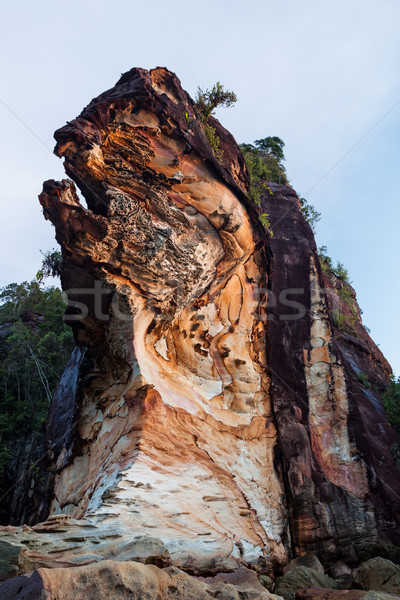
x=212, y=422
x=328, y=594
x=378, y=574
x=123, y=580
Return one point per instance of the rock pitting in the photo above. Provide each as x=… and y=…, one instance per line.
x=213, y=426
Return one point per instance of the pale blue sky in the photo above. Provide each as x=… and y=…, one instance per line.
x=318, y=74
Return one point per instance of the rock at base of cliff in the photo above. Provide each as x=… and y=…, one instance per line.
x=121, y=580
x=306, y=560
x=327, y=594
x=342, y=573
x=300, y=578
x=378, y=574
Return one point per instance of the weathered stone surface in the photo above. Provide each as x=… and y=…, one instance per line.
x=327, y=594
x=341, y=482
x=121, y=580
x=267, y=582
x=315, y=593
x=378, y=574
x=211, y=422
x=300, y=578
x=305, y=560
x=177, y=440
x=341, y=573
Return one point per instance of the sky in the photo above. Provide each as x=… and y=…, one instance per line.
x=322, y=75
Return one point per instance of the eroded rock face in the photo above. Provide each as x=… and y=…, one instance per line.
x=176, y=434
x=341, y=481
x=215, y=424
x=122, y=580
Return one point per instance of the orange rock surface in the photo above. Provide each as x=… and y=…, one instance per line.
x=212, y=426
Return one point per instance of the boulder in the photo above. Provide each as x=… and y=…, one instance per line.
x=341, y=573
x=267, y=582
x=316, y=593
x=306, y=560
x=378, y=574
x=114, y=580
x=327, y=594
x=300, y=578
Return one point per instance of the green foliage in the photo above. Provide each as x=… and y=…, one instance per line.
x=328, y=267
x=310, y=213
x=264, y=160
x=346, y=294
x=34, y=349
x=363, y=379
x=341, y=272
x=266, y=223
x=395, y=450
x=344, y=323
x=5, y=456
x=391, y=402
x=208, y=100
x=255, y=191
x=213, y=140
x=271, y=145
x=325, y=260
x=51, y=265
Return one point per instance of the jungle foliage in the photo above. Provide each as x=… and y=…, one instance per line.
x=35, y=346
x=206, y=102
x=391, y=402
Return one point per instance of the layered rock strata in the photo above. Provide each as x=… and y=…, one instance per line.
x=341, y=480
x=176, y=440
x=217, y=419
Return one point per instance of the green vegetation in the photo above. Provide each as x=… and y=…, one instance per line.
x=363, y=379
x=213, y=140
x=391, y=402
x=341, y=272
x=206, y=102
x=265, y=163
x=310, y=213
x=395, y=450
x=328, y=267
x=344, y=323
x=347, y=295
x=35, y=346
x=51, y=265
x=266, y=223
x=264, y=160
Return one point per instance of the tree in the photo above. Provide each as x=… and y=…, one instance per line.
x=51, y=265
x=264, y=161
x=311, y=214
x=35, y=345
x=271, y=145
x=208, y=100
x=328, y=267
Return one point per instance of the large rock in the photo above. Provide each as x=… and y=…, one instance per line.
x=299, y=578
x=305, y=560
x=341, y=573
x=328, y=594
x=215, y=419
x=378, y=574
x=121, y=580
x=175, y=439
